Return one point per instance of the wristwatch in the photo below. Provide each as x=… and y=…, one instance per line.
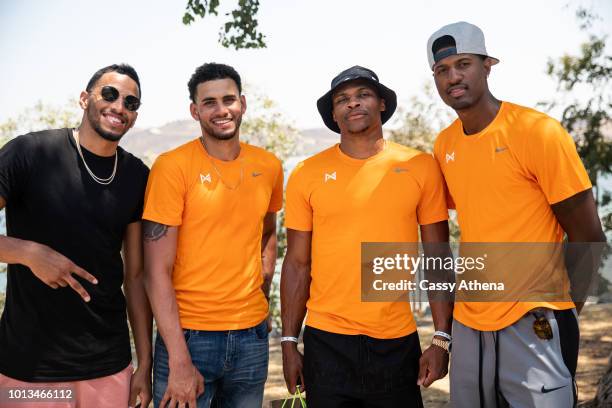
x=444, y=344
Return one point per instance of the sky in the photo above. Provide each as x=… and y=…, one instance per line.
x=50, y=49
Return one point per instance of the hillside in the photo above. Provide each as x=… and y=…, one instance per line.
x=149, y=143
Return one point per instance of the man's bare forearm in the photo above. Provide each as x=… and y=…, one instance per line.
x=15, y=250
x=12, y=250
x=268, y=252
x=138, y=307
x=295, y=290
x=583, y=256
x=159, y=252
x=442, y=315
x=141, y=320
x=165, y=309
x=435, y=245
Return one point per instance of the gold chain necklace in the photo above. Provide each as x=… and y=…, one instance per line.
x=219, y=173
x=99, y=180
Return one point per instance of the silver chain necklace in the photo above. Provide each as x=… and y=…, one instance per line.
x=99, y=180
x=219, y=173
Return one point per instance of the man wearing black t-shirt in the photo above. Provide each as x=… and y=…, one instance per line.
x=73, y=200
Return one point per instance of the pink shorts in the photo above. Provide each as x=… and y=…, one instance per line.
x=112, y=391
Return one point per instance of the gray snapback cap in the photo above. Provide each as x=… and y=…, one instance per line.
x=469, y=39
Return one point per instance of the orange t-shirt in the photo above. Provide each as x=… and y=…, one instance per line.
x=502, y=182
x=345, y=202
x=217, y=271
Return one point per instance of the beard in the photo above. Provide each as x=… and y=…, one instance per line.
x=360, y=127
x=472, y=98
x=111, y=137
x=95, y=124
x=207, y=129
x=461, y=105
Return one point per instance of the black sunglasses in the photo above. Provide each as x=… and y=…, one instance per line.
x=111, y=94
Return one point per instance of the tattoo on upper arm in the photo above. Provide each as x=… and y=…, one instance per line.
x=153, y=231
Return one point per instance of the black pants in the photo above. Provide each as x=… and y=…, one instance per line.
x=345, y=371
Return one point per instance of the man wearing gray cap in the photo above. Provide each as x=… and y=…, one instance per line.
x=363, y=189
x=514, y=176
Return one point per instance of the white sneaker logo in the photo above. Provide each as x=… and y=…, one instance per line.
x=204, y=178
x=330, y=176
x=450, y=157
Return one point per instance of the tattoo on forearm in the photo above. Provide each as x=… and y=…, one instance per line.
x=153, y=231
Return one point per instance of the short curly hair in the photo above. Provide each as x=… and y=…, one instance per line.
x=210, y=72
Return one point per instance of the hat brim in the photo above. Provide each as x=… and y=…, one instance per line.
x=493, y=59
x=325, y=105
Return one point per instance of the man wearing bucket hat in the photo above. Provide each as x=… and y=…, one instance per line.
x=514, y=176
x=364, y=189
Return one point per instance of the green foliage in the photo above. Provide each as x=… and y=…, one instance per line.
x=196, y=8
x=7, y=130
x=264, y=125
x=240, y=31
x=588, y=119
x=39, y=117
x=419, y=125
x=421, y=121
x=267, y=127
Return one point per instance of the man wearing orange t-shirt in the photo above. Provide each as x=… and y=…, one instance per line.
x=210, y=251
x=358, y=353
x=514, y=177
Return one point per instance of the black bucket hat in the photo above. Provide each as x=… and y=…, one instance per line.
x=325, y=106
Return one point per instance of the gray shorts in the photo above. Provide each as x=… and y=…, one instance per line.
x=513, y=367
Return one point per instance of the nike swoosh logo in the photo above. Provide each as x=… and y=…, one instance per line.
x=500, y=149
x=547, y=390
x=255, y=174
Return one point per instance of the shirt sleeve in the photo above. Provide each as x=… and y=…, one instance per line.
x=553, y=161
x=432, y=203
x=15, y=166
x=276, y=200
x=165, y=193
x=137, y=216
x=298, y=214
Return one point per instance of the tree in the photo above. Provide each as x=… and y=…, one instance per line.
x=589, y=122
x=39, y=117
x=421, y=121
x=268, y=128
x=418, y=126
x=238, y=32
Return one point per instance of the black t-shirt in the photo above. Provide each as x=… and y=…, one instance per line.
x=52, y=334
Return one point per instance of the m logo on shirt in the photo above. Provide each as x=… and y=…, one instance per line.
x=205, y=178
x=450, y=157
x=330, y=176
